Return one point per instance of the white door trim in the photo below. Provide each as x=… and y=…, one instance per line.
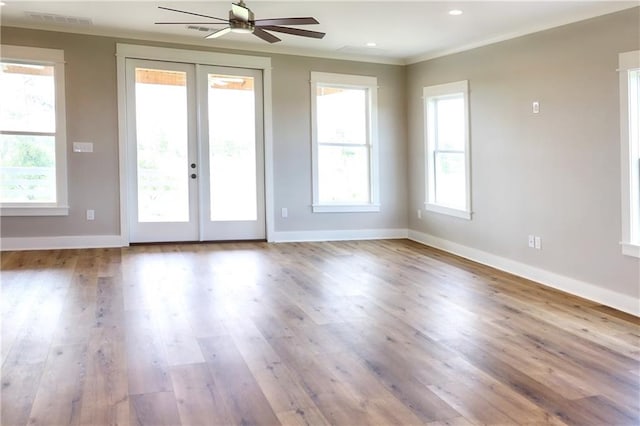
x=124, y=51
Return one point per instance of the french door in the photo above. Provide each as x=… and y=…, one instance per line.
x=195, y=152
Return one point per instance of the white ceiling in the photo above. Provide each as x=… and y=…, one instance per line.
x=404, y=31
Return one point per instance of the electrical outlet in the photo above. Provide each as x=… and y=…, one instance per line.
x=91, y=214
x=538, y=243
x=535, y=107
x=532, y=241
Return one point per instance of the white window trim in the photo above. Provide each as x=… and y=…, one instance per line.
x=53, y=57
x=347, y=81
x=629, y=172
x=436, y=91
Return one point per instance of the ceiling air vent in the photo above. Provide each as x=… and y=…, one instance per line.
x=50, y=18
x=198, y=28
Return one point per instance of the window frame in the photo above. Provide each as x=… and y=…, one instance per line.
x=348, y=81
x=430, y=93
x=55, y=58
x=629, y=154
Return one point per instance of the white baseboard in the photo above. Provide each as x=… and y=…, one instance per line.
x=64, y=242
x=100, y=241
x=338, y=235
x=579, y=288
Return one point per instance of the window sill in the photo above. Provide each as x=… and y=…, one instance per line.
x=462, y=214
x=630, y=249
x=345, y=208
x=34, y=211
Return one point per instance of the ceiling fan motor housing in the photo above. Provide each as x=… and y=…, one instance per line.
x=240, y=25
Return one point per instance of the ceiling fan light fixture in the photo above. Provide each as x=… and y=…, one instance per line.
x=241, y=30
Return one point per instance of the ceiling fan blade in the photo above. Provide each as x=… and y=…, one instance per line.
x=190, y=23
x=265, y=35
x=240, y=12
x=286, y=21
x=219, y=33
x=294, y=31
x=194, y=14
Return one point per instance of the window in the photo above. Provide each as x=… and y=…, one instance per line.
x=446, y=119
x=629, y=67
x=33, y=175
x=344, y=138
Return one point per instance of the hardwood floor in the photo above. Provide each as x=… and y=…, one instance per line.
x=345, y=333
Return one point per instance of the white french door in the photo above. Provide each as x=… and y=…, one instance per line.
x=162, y=146
x=196, y=152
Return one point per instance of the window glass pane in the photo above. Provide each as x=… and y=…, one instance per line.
x=634, y=111
x=232, y=148
x=27, y=169
x=344, y=174
x=634, y=151
x=31, y=89
x=450, y=123
x=341, y=115
x=162, y=138
x=450, y=180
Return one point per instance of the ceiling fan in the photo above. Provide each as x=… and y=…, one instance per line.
x=241, y=20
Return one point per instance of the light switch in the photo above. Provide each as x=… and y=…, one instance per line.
x=538, y=243
x=83, y=147
x=536, y=107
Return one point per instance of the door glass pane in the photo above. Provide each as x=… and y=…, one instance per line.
x=341, y=115
x=162, y=145
x=27, y=169
x=343, y=173
x=232, y=148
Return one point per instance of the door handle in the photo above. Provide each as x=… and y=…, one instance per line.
x=193, y=176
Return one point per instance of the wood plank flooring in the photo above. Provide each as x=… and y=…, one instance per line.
x=342, y=333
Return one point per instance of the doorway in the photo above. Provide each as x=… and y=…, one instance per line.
x=195, y=145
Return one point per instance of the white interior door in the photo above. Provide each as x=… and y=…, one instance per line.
x=195, y=152
x=232, y=150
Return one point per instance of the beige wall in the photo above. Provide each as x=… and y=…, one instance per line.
x=555, y=174
x=292, y=130
x=92, y=116
x=90, y=80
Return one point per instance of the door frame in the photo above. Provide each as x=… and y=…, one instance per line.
x=124, y=51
